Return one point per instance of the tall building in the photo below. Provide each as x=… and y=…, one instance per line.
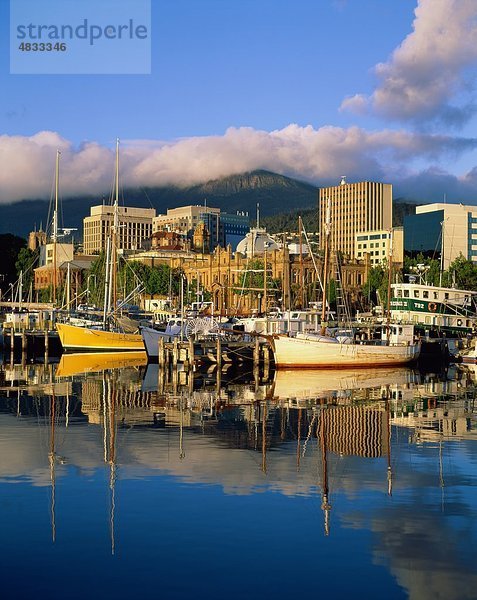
x=135, y=227
x=442, y=231
x=355, y=207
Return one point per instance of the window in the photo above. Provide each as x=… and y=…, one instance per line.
x=416, y=293
x=425, y=294
x=399, y=293
x=406, y=293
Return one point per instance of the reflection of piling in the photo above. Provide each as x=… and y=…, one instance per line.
x=219, y=353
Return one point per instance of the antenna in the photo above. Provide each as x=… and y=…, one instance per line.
x=258, y=215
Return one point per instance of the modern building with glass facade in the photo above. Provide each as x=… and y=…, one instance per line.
x=442, y=229
x=355, y=207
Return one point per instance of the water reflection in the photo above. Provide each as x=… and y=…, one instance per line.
x=383, y=460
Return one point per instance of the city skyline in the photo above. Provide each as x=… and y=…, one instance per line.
x=371, y=90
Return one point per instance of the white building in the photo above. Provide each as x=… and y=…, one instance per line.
x=376, y=244
x=442, y=229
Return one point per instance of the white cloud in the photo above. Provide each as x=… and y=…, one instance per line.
x=317, y=155
x=429, y=68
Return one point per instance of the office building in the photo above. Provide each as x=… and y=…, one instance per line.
x=442, y=231
x=135, y=227
x=354, y=207
x=376, y=244
x=222, y=228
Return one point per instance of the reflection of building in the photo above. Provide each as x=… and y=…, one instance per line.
x=355, y=207
x=135, y=227
x=434, y=228
x=356, y=430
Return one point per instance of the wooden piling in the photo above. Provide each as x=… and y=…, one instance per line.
x=256, y=353
x=161, y=357
x=175, y=352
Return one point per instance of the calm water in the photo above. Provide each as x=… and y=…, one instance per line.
x=120, y=484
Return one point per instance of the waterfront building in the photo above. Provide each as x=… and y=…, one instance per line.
x=135, y=228
x=77, y=265
x=355, y=207
x=376, y=244
x=222, y=274
x=256, y=243
x=442, y=230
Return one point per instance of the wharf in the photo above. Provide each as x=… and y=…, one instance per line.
x=36, y=342
x=216, y=351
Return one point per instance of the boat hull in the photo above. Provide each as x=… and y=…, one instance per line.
x=316, y=353
x=83, y=338
x=151, y=338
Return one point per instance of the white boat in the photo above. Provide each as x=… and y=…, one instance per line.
x=311, y=350
x=178, y=328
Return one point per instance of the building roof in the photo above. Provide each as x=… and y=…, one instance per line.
x=256, y=242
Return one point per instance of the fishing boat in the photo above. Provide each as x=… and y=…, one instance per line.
x=313, y=350
x=321, y=349
x=433, y=308
x=107, y=336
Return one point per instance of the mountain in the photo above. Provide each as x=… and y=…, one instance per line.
x=275, y=194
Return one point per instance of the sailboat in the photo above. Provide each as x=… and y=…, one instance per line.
x=320, y=350
x=74, y=337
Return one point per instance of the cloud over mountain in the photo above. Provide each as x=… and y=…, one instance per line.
x=430, y=68
x=316, y=155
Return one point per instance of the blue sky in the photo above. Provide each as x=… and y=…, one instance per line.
x=227, y=73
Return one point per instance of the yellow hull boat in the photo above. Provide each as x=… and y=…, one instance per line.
x=83, y=338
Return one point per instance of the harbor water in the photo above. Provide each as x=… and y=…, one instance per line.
x=121, y=482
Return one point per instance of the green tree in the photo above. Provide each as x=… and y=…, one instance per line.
x=462, y=273
x=25, y=263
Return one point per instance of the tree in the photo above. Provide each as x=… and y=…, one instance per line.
x=24, y=264
x=376, y=284
x=462, y=273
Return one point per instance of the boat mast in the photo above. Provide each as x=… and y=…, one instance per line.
x=114, y=236
x=325, y=264
x=302, y=287
x=388, y=303
x=55, y=224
